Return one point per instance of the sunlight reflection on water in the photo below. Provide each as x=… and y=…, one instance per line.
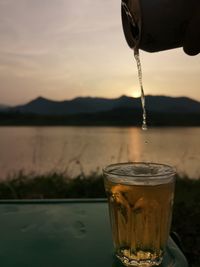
x=88, y=149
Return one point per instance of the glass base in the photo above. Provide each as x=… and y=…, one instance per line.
x=142, y=259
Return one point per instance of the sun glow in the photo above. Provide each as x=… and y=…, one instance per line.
x=135, y=93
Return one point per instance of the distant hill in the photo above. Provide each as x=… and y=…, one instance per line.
x=93, y=111
x=80, y=105
x=3, y=107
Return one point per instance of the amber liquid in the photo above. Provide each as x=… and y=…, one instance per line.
x=139, y=67
x=140, y=219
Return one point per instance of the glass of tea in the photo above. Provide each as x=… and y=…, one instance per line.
x=140, y=197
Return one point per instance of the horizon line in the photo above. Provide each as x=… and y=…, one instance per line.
x=93, y=97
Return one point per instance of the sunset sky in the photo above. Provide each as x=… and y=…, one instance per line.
x=60, y=49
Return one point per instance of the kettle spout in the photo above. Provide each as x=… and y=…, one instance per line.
x=130, y=23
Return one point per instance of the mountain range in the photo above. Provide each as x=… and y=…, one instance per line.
x=93, y=111
x=89, y=105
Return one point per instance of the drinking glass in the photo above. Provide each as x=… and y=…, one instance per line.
x=140, y=198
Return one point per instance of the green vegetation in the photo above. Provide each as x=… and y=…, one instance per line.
x=186, y=218
x=51, y=186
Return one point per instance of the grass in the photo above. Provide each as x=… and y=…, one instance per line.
x=51, y=186
x=186, y=217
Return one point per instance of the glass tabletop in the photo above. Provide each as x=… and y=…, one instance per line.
x=62, y=233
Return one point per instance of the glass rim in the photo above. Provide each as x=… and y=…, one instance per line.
x=171, y=170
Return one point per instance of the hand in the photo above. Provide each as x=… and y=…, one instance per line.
x=191, y=44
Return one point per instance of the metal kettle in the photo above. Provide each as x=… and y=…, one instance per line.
x=155, y=25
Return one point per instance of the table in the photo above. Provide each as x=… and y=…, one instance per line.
x=62, y=233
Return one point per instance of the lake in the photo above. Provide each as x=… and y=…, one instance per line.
x=87, y=149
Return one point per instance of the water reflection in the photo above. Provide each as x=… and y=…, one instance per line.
x=86, y=149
